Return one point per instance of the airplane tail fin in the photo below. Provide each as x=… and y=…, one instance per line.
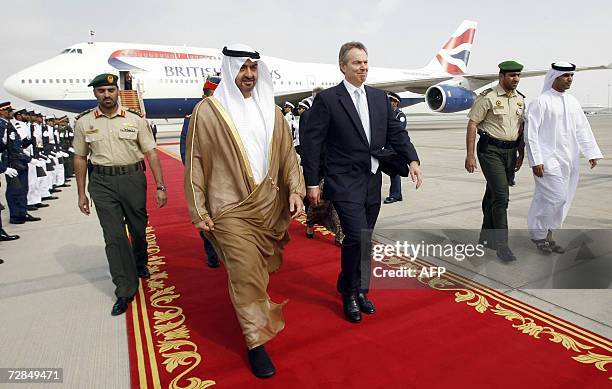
x=453, y=57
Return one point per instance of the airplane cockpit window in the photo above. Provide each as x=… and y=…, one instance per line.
x=74, y=51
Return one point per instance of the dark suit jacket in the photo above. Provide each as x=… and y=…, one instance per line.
x=333, y=123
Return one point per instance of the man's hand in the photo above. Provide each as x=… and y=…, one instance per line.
x=295, y=204
x=470, y=163
x=593, y=163
x=84, y=204
x=538, y=170
x=10, y=172
x=416, y=174
x=519, y=161
x=206, y=224
x=314, y=195
x=160, y=198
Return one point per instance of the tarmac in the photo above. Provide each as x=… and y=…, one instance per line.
x=56, y=293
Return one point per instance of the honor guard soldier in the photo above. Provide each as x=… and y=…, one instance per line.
x=5, y=115
x=17, y=187
x=116, y=140
x=497, y=116
x=395, y=190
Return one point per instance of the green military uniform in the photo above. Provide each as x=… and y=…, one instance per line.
x=115, y=147
x=498, y=116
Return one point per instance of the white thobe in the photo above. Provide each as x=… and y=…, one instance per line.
x=256, y=139
x=556, y=133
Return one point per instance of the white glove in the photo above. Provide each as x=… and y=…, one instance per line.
x=45, y=133
x=11, y=172
x=12, y=136
x=41, y=162
x=65, y=154
x=71, y=149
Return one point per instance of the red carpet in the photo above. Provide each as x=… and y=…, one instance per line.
x=183, y=331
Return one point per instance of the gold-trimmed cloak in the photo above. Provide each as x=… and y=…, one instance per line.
x=251, y=220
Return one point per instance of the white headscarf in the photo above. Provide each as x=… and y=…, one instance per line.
x=230, y=96
x=552, y=74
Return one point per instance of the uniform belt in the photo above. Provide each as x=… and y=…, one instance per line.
x=118, y=170
x=502, y=144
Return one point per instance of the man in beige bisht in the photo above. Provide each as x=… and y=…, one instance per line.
x=243, y=184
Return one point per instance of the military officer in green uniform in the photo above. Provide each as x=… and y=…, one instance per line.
x=497, y=116
x=116, y=140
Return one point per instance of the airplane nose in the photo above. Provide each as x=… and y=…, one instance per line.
x=12, y=85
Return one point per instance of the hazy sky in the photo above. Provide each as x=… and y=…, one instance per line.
x=401, y=34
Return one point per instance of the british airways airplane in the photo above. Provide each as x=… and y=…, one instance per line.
x=169, y=79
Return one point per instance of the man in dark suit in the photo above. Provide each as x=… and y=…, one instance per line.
x=351, y=121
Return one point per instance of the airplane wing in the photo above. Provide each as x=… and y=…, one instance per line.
x=281, y=97
x=476, y=81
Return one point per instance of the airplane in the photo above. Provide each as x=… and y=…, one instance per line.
x=169, y=79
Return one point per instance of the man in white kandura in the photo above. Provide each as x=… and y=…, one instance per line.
x=557, y=132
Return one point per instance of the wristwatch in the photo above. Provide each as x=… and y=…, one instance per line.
x=162, y=188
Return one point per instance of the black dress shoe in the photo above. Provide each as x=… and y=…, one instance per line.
x=32, y=208
x=4, y=237
x=121, y=305
x=213, y=262
x=365, y=305
x=19, y=220
x=54, y=190
x=42, y=205
x=30, y=218
x=50, y=197
x=309, y=233
x=351, y=308
x=63, y=186
x=260, y=362
x=505, y=254
x=143, y=272
x=390, y=200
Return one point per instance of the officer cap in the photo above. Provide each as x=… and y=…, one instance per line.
x=394, y=96
x=305, y=104
x=21, y=111
x=510, y=66
x=104, y=79
x=6, y=106
x=288, y=104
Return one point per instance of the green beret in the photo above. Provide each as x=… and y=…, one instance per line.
x=510, y=66
x=104, y=79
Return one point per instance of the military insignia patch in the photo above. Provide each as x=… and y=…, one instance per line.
x=498, y=103
x=109, y=78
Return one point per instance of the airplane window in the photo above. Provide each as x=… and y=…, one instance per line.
x=50, y=81
x=77, y=80
x=23, y=81
x=84, y=81
x=29, y=81
x=64, y=80
x=71, y=80
x=44, y=81
x=36, y=81
x=57, y=80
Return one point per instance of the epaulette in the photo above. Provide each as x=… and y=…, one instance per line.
x=134, y=112
x=519, y=92
x=77, y=117
x=486, y=91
